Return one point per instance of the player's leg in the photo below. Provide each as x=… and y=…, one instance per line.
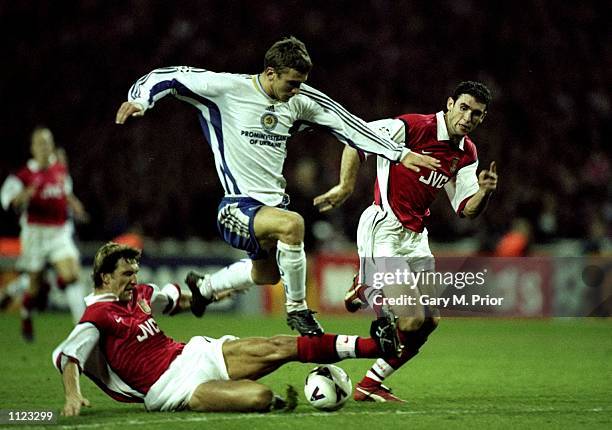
x=231, y=396
x=384, y=246
x=32, y=261
x=65, y=258
x=69, y=281
x=283, y=230
x=253, y=358
x=235, y=221
x=29, y=303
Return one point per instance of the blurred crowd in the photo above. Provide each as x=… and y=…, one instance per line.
x=69, y=65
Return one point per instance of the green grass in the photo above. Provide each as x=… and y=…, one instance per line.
x=471, y=374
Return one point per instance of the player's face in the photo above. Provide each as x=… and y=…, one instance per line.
x=464, y=115
x=123, y=280
x=286, y=84
x=42, y=145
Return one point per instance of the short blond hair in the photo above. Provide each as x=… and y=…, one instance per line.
x=107, y=257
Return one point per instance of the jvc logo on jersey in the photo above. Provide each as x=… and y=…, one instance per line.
x=147, y=329
x=435, y=179
x=52, y=192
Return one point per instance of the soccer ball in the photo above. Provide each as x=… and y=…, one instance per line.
x=327, y=387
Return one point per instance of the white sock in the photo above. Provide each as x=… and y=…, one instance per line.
x=75, y=299
x=380, y=370
x=291, y=261
x=346, y=346
x=236, y=276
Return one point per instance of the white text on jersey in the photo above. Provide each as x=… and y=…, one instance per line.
x=435, y=179
x=148, y=328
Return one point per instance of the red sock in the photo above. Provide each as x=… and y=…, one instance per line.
x=412, y=341
x=317, y=349
x=28, y=302
x=366, y=347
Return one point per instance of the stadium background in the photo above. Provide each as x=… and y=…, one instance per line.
x=69, y=64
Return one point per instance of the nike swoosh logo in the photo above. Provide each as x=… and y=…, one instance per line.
x=426, y=152
x=119, y=319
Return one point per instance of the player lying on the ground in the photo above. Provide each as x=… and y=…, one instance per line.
x=119, y=346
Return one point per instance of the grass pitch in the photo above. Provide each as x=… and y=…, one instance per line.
x=473, y=373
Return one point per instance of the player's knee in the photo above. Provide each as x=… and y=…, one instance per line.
x=291, y=231
x=408, y=324
x=260, y=398
x=265, y=278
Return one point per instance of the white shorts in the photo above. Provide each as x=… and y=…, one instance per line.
x=41, y=244
x=201, y=361
x=384, y=245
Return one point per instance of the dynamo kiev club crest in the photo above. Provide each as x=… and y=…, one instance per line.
x=269, y=121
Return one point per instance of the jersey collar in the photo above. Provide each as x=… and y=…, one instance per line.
x=443, y=131
x=34, y=166
x=259, y=87
x=97, y=298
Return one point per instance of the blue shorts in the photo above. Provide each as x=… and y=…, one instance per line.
x=235, y=217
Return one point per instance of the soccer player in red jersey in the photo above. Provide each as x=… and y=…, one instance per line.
x=119, y=345
x=42, y=192
x=392, y=233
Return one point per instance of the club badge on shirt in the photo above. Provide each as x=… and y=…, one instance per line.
x=269, y=121
x=144, y=306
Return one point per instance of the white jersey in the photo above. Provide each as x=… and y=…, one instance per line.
x=248, y=130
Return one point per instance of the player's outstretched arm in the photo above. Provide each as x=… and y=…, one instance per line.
x=487, y=183
x=128, y=109
x=74, y=400
x=348, y=176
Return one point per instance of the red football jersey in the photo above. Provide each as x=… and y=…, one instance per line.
x=410, y=194
x=132, y=343
x=49, y=204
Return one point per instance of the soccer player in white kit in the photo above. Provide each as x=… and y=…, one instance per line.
x=247, y=120
x=391, y=232
x=41, y=192
x=118, y=344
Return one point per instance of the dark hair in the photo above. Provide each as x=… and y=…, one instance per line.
x=288, y=53
x=107, y=257
x=475, y=89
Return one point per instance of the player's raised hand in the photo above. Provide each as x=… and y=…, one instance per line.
x=487, y=179
x=331, y=199
x=414, y=161
x=128, y=109
x=72, y=407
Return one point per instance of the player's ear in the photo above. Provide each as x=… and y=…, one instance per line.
x=269, y=72
x=482, y=117
x=106, y=278
x=450, y=103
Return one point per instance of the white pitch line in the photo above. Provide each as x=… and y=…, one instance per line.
x=213, y=417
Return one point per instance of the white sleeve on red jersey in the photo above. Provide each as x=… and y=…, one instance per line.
x=463, y=187
x=165, y=300
x=68, y=185
x=77, y=347
x=11, y=187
